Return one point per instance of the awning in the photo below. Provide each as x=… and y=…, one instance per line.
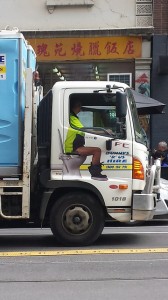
x=147, y=105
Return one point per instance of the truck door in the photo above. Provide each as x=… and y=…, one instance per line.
x=113, y=137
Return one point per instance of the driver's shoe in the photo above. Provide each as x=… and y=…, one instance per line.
x=95, y=171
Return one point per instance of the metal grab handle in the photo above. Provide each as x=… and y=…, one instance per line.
x=154, y=175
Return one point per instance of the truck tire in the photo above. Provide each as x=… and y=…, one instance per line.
x=77, y=219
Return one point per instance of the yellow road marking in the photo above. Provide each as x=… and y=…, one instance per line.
x=83, y=252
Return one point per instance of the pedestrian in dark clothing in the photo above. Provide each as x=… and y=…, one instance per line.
x=162, y=153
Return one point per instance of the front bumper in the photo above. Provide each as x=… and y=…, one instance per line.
x=144, y=206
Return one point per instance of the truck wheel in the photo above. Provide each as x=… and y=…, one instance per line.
x=77, y=219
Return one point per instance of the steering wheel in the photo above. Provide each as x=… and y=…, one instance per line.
x=101, y=129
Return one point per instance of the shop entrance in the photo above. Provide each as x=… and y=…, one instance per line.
x=51, y=72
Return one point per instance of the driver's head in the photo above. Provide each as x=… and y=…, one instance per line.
x=75, y=106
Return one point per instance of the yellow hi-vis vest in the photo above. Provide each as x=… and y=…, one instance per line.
x=74, y=138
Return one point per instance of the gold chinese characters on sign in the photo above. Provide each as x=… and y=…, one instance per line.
x=61, y=49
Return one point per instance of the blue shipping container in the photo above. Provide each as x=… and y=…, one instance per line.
x=13, y=63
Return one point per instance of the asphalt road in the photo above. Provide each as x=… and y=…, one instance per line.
x=33, y=266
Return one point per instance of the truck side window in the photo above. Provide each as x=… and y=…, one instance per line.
x=97, y=114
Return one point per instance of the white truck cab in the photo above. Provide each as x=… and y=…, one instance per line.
x=110, y=122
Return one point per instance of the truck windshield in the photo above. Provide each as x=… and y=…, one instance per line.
x=140, y=134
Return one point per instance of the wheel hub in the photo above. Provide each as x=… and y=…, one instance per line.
x=77, y=219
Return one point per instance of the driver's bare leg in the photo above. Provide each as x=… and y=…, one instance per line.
x=95, y=168
x=95, y=151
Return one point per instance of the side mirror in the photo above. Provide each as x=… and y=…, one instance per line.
x=108, y=145
x=121, y=104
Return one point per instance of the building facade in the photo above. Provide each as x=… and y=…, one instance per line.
x=98, y=40
x=86, y=39
x=159, y=71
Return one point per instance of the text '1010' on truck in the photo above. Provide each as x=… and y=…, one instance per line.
x=67, y=169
